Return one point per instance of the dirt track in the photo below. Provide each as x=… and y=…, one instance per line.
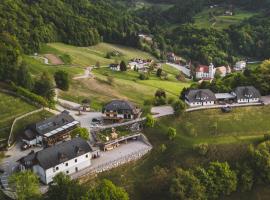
x=53, y=59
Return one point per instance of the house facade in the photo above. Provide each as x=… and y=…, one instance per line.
x=114, y=67
x=223, y=71
x=118, y=110
x=200, y=97
x=205, y=72
x=247, y=94
x=68, y=157
x=51, y=130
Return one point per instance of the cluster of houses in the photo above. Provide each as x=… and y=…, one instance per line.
x=63, y=154
x=204, y=72
x=205, y=97
x=136, y=64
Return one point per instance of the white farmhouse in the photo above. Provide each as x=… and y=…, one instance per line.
x=247, y=94
x=200, y=97
x=67, y=157
x=205, y=72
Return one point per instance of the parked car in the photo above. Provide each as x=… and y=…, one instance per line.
x=25, y=146
x=226, y=109
x=95, y=120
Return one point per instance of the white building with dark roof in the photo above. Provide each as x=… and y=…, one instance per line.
x=200, y=97
x=247, y=94
x=51, y=130
x=68, y=157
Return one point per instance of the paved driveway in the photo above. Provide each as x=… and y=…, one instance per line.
x=160, y=111
x=266, y=100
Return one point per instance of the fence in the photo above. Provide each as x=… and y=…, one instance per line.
x=11, y=136
x=112, y=164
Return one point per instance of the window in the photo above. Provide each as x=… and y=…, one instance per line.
x=56, y=168
x=75, y=160
x=66, y=164
x=76, y=169
x=67, y=172
x=86, y=155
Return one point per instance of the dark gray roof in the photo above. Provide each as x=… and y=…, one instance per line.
x=53, y=123
x=247, y=92
x=60, y=153
x=120, y=105
x=200, y=95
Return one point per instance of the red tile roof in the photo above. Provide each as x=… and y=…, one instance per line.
x=202, y=68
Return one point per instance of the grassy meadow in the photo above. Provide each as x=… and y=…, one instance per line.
x=235, y=131
x=10, y=108
x=87, y=56
x=220, y=21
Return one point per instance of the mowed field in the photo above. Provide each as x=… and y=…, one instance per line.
x=235, y=131
x=10, y=108
x=87, y=56
x=220, y=21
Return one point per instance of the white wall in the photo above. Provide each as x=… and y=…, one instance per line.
x=82, y=163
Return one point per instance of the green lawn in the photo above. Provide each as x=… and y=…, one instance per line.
x=235, y=131
x=221, y=21
x=10, y=108
x=86, y=56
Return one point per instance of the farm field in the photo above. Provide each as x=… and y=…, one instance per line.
x=235, y=131
x=10, y=108
x=220, y=21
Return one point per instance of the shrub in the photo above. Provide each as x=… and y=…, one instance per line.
x=171, y=133
x=159, y=72
x=179, y=107
x=160, y=93
x=190, y=129
x=143, y=76
x=62, y=80
x=159, y=101
x=202, y=149
x=162, y=148
x=150, y=121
